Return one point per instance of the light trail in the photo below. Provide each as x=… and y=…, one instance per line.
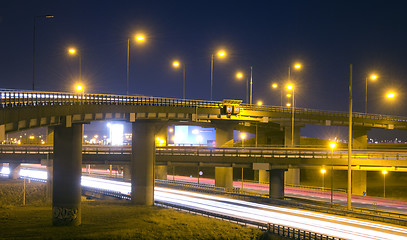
x=330, y=225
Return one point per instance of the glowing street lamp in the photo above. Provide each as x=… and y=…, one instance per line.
x=240, y=75
x=372, y=77
x=390, y=95
x=332, y=145
x=220, y=54
x=176, y=64
x=243, y=136
x=79, y=88
x=139, y=38
x=259, y=103
x=384, y=172
x=297, y=66
x=73, y=52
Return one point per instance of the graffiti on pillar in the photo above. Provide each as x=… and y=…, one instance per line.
x=65, y=214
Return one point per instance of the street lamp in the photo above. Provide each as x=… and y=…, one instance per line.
x=35, y=18
x=349, y=191
x=139, y=38
x=297, y=66
x=177, y=64
x=73, y=52
x=259, y=103
x=384, y=183
x=239, y=76
x=243, y=136
x=332, y=145
x=323, y=171
x=220, y=54
x=390, y=95
x=79, y=88
x=290, y=87
x=372, y=77
x=276, y=86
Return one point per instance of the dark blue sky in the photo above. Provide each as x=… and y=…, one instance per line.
x=325, y=36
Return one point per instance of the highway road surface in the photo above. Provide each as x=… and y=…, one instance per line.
x=330, y=225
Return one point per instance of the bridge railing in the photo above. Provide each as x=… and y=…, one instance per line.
x=300, y=153
x=23, y=98
x=33, y=98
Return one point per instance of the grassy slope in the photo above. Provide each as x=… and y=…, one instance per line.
x=107, y=220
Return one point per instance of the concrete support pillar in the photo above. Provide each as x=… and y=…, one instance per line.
x=359, y=182
x=14, y=170
x=66, y=197
x=162, y=134
x=50, y=135
x=161, y=172
x=287, y=136
x=2, y=133
x=276, y=187
x=142, y=163
x=292, y=176
x=264, y=176
x=359, y=138
x=224, y=177
x=50, y=178
x=127, y=171
x=224, y=134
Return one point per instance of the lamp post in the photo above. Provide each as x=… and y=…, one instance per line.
x=35, y=20
x=221, y=54
x=177, y=64
x=384, y=183
x=349, y=192
x=323, y=171
x=297, y=66
x=275, y=86
x=240, y=75
x=372, y=77
x=332, y=145
x=291, y=88
x=139, y=38
x=73, y=51
x=251, y=85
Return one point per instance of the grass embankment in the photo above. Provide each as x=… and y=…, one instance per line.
x=113, y=219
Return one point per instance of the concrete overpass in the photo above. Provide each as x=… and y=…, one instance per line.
x=65, y=113
x=265, y=160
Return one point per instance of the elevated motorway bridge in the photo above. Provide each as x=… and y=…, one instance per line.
x=65, y=113
x=213, y=157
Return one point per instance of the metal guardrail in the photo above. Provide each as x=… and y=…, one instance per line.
x=284, y=231
x=205, y=186
x=289, y=153
x=279, y=153
x=33, y=98
x=295, y=233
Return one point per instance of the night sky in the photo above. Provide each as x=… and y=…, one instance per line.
x=324, y=36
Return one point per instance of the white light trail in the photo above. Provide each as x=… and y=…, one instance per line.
x=330, y=225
